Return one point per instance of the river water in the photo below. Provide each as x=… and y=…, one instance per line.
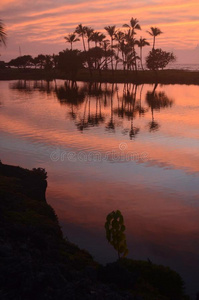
x=107, y=147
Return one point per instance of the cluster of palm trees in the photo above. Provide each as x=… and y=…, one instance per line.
x=121, y=45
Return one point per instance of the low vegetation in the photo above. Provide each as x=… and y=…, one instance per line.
x=161, y=76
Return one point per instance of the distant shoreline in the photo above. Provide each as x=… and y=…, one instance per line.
x=168, y=76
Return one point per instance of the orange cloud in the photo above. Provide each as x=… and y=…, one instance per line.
x=50, y=23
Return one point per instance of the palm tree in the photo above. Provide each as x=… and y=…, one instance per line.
x=141, y=43
x=105, y=45
x=131, y=58
x=134, y=25
x=88, y=33
x=3, y=35
x=97, y=37
x=111, y=30
x=119, y=37
x=71, y=38
x=154, y=32
x=81, y=31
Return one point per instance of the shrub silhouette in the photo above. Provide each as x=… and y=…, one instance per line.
x=115, y=232
x=159, y=59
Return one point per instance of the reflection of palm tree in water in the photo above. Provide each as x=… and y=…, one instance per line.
x=142, y=110
x=128, y=108
x=72, y=113
x=111, y=125
x=96, y=118
x=71, y=95
x=153, y=125
x=82, y=124
x=97, y=92
x=120, y=108
x=156, y=101
x=134, y=130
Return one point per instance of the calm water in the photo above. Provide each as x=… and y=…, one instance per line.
x=108, y=147
x=187, y=67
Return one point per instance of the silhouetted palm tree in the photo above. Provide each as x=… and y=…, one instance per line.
x=81, y=31
x=105, y=44
x=154, y=32
x=3, y=35
x=88, y=33
x=71, y=38
x=142, y=43
x=134, y=25
x=119, y=37
x=131, y=59
x=97, y=37
x=111, y=30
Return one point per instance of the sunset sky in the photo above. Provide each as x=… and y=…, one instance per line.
x=39, y=26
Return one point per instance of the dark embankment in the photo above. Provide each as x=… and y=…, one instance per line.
x=119, y=76
x=36, y=262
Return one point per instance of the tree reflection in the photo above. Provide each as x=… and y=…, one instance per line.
x=128, y=107
x=142, y=110
x=21, y=86
x=111, y=124
x=92, y=117
x=27, y=86
x=70, y=93
x=156, y=101
x=94, y=104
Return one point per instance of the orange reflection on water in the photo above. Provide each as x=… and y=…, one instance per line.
x=173, y=145
x=158, y=196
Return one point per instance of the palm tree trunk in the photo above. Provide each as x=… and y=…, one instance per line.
x=117, y=59
x=141, y=58
x=135, y=57
x=153, y=42
x=112, y=55
x=83, y=43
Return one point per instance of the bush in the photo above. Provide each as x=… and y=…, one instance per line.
x=69, y=62
x=159, y=59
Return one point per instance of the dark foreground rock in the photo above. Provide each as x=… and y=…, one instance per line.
x=36, y=262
